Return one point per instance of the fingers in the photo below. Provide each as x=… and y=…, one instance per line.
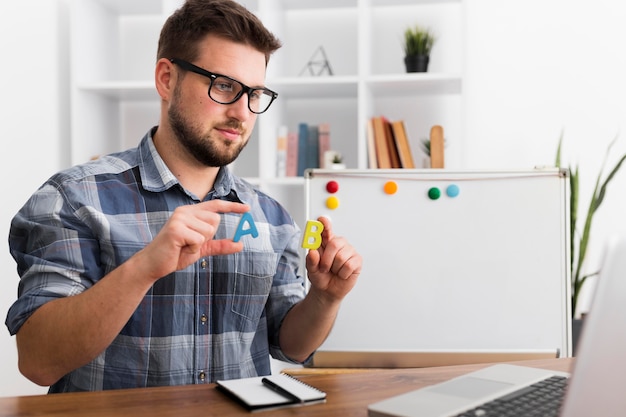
x=327, y=234
x=195, y=226
x=334, y=253
x=339, y=258
x=222, y=206
x=222, y=247
x=189, y=235
x=208, y=215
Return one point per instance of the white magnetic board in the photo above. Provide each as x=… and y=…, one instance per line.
x=485, y=269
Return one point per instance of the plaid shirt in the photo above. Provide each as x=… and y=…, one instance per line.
x=216, y=319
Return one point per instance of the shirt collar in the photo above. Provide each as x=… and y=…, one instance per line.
x=157, y=177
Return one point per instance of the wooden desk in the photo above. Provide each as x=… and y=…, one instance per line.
x=349, y=394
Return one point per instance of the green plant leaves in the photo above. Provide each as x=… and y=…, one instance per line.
x=418, y=41
x=579, y=242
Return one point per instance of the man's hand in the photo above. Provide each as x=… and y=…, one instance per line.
x=188, y=236
x=334, y=267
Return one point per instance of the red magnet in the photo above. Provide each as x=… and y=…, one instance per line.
x=332, y=187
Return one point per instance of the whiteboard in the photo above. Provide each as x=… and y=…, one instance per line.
x=482, y=268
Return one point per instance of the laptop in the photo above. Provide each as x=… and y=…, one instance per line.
x=595, y=387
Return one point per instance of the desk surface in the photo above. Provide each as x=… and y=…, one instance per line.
x=349, y=394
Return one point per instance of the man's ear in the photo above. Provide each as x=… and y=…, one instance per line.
x=164, y=78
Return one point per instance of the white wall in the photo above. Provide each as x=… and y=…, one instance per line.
x=534, y=68
x=537, y=68
x=35, y=123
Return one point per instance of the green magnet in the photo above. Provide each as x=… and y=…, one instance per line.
x=434, y=193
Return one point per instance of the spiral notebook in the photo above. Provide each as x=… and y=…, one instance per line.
x=272, y=391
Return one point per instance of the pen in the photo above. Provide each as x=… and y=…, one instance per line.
x=277, y=388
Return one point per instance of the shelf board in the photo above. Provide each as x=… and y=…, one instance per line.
x=319, y=4
x=311, y=87
x=315, y=87
x=123, y=90
x=330, y=4
x=147, y=7
x=134, y=7
x=376, y=3
x=415, y=83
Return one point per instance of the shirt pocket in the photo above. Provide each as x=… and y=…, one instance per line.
x=254, y=273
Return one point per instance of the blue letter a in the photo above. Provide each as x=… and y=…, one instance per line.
x=251, y=230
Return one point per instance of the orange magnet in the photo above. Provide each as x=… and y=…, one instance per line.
x=390, y=187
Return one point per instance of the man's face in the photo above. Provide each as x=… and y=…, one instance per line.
x=213, y=133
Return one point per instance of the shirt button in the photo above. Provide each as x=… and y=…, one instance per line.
x=203, y=319
x=202, y=376
x=203, y=264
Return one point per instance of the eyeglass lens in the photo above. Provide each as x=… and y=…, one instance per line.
x=225, y=91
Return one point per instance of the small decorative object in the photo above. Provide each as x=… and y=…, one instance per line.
x=318, y=64
x=580, y=239
x=333, y=160
x=418, y=43
x=337, y=162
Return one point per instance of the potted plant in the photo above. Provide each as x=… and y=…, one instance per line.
x=337, y=162
x=425, y=146
x=579, y=239
x=418, y=43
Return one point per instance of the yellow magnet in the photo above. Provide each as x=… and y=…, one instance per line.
x=332, y=202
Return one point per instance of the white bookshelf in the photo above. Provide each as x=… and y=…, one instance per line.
x=114, y=102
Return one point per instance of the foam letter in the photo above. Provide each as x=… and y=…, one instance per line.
x=312, y=238
x=251, y=230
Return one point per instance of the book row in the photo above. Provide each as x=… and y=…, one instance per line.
x=308, y=147
x=387, y=144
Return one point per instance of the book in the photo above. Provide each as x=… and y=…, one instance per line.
x=380, y=141
x=309, y=148
x=371, y=145
x=324, y=143
x=272, y=391
x=303, y=142
x=394, y=158
x=281, y=152
x=402, y=144
x=292, y=154
x=313, y=148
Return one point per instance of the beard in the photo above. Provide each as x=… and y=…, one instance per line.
x=208, y=151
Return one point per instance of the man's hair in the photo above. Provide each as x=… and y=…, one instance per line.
x=192, y=22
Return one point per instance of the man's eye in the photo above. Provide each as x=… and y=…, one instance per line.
x=256, y=95
x=223, y=85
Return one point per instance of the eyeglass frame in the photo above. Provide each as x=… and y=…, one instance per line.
x=188, y=66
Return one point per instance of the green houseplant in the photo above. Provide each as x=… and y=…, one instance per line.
x=425, y=146
x=418, y=42
x=579, y=239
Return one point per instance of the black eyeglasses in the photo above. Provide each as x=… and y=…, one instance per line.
x=226, y=90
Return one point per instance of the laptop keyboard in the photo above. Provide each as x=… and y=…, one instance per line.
x=542, y=399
